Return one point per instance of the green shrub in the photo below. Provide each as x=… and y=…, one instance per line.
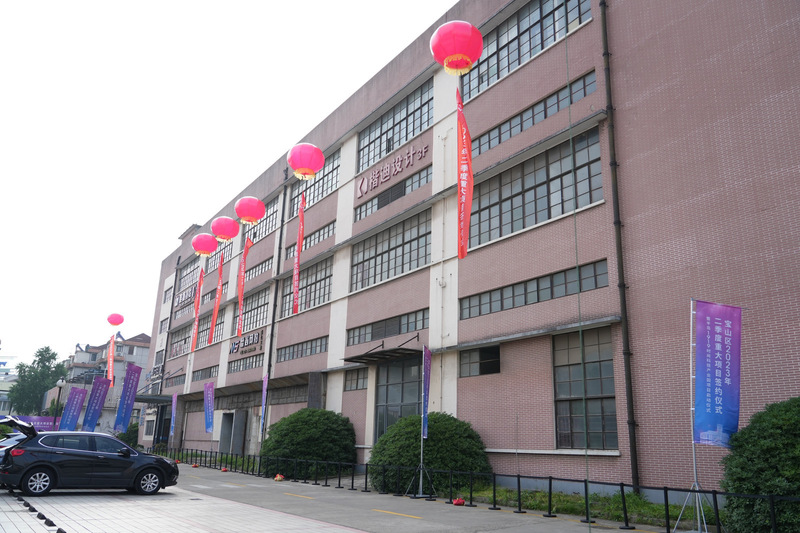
x=131, y=436
x=309, y=435
x=452, y=444
x=765, y=459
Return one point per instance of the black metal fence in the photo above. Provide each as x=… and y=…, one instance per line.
x=399, y=480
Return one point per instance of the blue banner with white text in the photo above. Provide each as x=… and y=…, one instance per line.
x=717, y=358
x=426, y=388
x=72, y=409
x=97, y=397
x=208, y=401
x=131, y=383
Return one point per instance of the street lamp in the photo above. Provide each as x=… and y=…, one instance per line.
x=60, y=384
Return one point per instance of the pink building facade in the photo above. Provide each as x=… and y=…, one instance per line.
x=629, y=158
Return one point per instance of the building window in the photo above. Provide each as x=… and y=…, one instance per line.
x=355, y=379
x=180, y=341
x=173, y=381
x=266, y=225
x=537, y=190
x=263, y=266
x=246, y=363
x=398, y=392
x=541, y=289
x=386, y=328
x=530, y=30
x=539, y=111
x=393, y=193
x=205, y=373
x=401, y=248
x=314, y=287
x=163, y=325
x=149, y=427
x=584, y=390
x=294, y=394
x=479, y=362
x=326, y=182
x=204, y=328
x=255, y=311
x=167, y=295
x=397, y=126
x=312, y=239
x=159, y=358
x=212, y=294
x=223, y=248
x=303, y=349
x=187, y=285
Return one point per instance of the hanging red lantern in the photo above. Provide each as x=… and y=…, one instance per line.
x=204, y=244
x=457, y=45
x=250, y=210
x=115, y=319
x=224, y=228
x=306, y=160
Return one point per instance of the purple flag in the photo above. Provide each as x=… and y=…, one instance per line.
x=95, y=405
x=717, y=357
x=208, y=400
x=426, y=387
x=132, y=373
x=40, y=423
x=72, y=410
x=174, y=409
x=264, y=386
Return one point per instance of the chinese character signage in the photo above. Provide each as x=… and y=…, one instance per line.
x=391, y=169
x=717, y=357
x=72, y=410
x=426, y=388
x=131, y=383
x=250, y=344
x=208, y=402
x=95, y=405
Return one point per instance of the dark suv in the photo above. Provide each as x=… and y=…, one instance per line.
x=80, y=460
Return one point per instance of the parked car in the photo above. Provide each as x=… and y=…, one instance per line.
x=48, y=460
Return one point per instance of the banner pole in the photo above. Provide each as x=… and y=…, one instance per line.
x=692, y=384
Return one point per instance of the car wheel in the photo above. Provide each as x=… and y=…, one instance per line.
x=147, y=482
x=37, y=482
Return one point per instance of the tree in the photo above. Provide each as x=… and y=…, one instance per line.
x=34, y=380
x=130, y=436
x=765, y=459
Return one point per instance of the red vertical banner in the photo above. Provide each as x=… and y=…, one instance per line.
x=110, y=371
x=242, y=267
x=299, y=248
x=197, y=296
x=217, y=298
x=464, y=178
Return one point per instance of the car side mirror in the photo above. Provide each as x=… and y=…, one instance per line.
x=125, y=452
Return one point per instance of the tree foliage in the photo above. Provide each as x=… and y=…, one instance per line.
x=452, y=445
x=765, y=459
x=130, y=436
x=34, y=380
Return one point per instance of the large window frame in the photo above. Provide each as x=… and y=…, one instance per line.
x=325, y=183
x=314, y=287
x=397, y=126
x=583, y=389
x=392, y=252
x=398, y=392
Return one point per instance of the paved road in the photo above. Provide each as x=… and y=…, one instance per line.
x=207, y=500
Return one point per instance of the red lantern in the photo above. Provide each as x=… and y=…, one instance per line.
x=225, y=228
x=204, y=244
x=457, y=45
x=306, y=160
x=115, y=319
x=250, y=210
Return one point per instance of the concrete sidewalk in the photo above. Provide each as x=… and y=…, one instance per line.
x=211, y=501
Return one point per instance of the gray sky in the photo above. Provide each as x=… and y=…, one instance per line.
x=116, y=115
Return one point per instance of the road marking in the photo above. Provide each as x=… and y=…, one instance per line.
x=299, y=496
x=398, y=514
x=201, y=486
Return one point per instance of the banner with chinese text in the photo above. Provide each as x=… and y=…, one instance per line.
x=426, y=388
x=129, y=386
x=97, y=397
x=465, y=179
x=72, y=409
x=298, y=249
x=242, y=267
x=208, y=402
x=717, y=360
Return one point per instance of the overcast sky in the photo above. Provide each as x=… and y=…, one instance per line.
x=115, y=116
